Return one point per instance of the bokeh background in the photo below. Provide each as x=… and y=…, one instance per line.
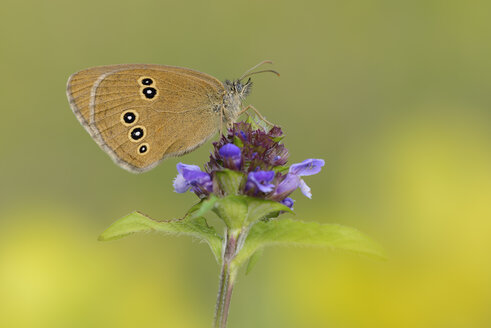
x=395, y=95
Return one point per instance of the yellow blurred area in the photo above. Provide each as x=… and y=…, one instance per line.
x=438, y=188
x=53, y=276
x=394, y=95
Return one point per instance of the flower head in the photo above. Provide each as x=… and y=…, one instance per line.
x=259, y=157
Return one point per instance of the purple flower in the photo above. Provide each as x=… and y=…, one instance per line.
x=191, y=177
x=308, y=167
x=293, y=181
x=289, y=184
x=260, y=180
x=231, y=155
x=288, y=202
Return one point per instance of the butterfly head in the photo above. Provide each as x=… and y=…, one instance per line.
x=236, y=91
x=238, y=88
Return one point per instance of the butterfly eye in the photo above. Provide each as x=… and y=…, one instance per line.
x=143, y=149
x=129, y=117
x=149, y=93
x=137, y=133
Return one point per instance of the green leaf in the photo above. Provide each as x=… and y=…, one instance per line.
x=261, y=208
x=137, y=222
x=229, y=181
x=204, y=206
x=253, y=260
x=300, y=233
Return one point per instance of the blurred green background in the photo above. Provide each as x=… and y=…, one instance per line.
x=393, y=94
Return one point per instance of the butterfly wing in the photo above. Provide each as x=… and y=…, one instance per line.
x=79, y=87
x=141, y=114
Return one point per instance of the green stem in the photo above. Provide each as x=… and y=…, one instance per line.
x=228, y=297
x=220, y=297
x=227, y=280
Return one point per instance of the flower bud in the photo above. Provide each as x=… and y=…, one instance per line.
x=288, y=202
x=231, y=156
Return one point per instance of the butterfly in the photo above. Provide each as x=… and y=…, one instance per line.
x=140, y=114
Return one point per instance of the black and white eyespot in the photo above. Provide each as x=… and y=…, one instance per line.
x=137, y=133
x=145, y=80
x=143, y=149
x=149, y=93
x=129, y=117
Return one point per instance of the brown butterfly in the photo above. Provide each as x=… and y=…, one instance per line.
x=141, y=114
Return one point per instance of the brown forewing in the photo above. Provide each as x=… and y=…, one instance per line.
x=182, y=115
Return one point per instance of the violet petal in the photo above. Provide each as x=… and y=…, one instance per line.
x=261, y=180
x=305, y=189
x=287, y=186
x=180, y=184
x=231, y=155
x=181, y=167
x=308, y=167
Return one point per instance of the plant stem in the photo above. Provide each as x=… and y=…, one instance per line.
x=226, y=301
x=227, y=280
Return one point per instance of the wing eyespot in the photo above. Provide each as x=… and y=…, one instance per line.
x=148, y=93
x=145, y=80
x=129, y=117
x=137, y=133
x=143, y=149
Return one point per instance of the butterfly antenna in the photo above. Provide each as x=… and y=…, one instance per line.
x=263, y=71
x=254, y=67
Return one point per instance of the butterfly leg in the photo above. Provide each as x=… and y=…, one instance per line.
x=221, y=122
x=257, y=113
